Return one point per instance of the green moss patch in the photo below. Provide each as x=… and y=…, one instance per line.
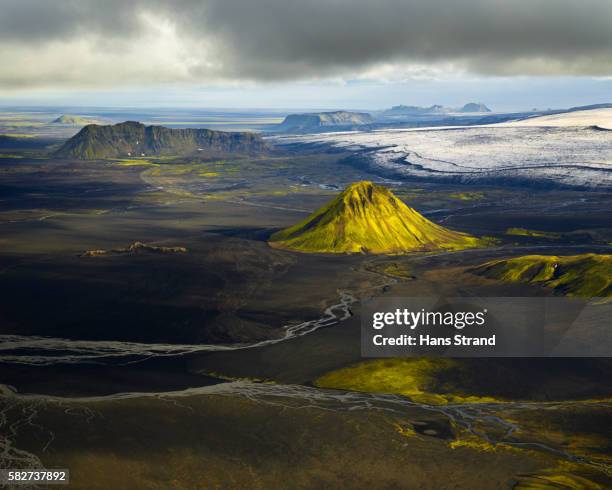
x=586, y=275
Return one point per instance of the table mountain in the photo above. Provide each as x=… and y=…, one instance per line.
x=135, y=139
x=317, y=121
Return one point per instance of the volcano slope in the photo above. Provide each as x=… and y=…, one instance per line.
x=368, y=218
x=586, y=275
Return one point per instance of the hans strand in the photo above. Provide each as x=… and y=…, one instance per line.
x=421, y=318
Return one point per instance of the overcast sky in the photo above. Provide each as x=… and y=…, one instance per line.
x=510, y=54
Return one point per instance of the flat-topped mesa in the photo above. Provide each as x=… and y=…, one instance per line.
x=132, y=138
x=369, y=218
x=320, y=121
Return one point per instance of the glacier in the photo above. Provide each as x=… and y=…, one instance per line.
x=572, y=156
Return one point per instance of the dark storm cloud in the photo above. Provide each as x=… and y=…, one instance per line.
x=273, y=38
x=39, y=21
x=284, y=39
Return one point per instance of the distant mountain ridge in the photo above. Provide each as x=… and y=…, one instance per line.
x=321, y=122
x=132, y=138
x=605, y=105
x=410, y=110
x=369, y=218
x=413, y=110
x=312, y=121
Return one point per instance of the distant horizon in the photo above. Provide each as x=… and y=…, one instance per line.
x=59, y=108
x=305, y=56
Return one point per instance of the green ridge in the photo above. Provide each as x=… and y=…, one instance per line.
x=73, y=120
x=368, y=218
x=129, y=139
x=587, y=275
x=532, y=233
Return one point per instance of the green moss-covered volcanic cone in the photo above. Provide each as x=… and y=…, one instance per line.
x=368, y=218
x=586, y=275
